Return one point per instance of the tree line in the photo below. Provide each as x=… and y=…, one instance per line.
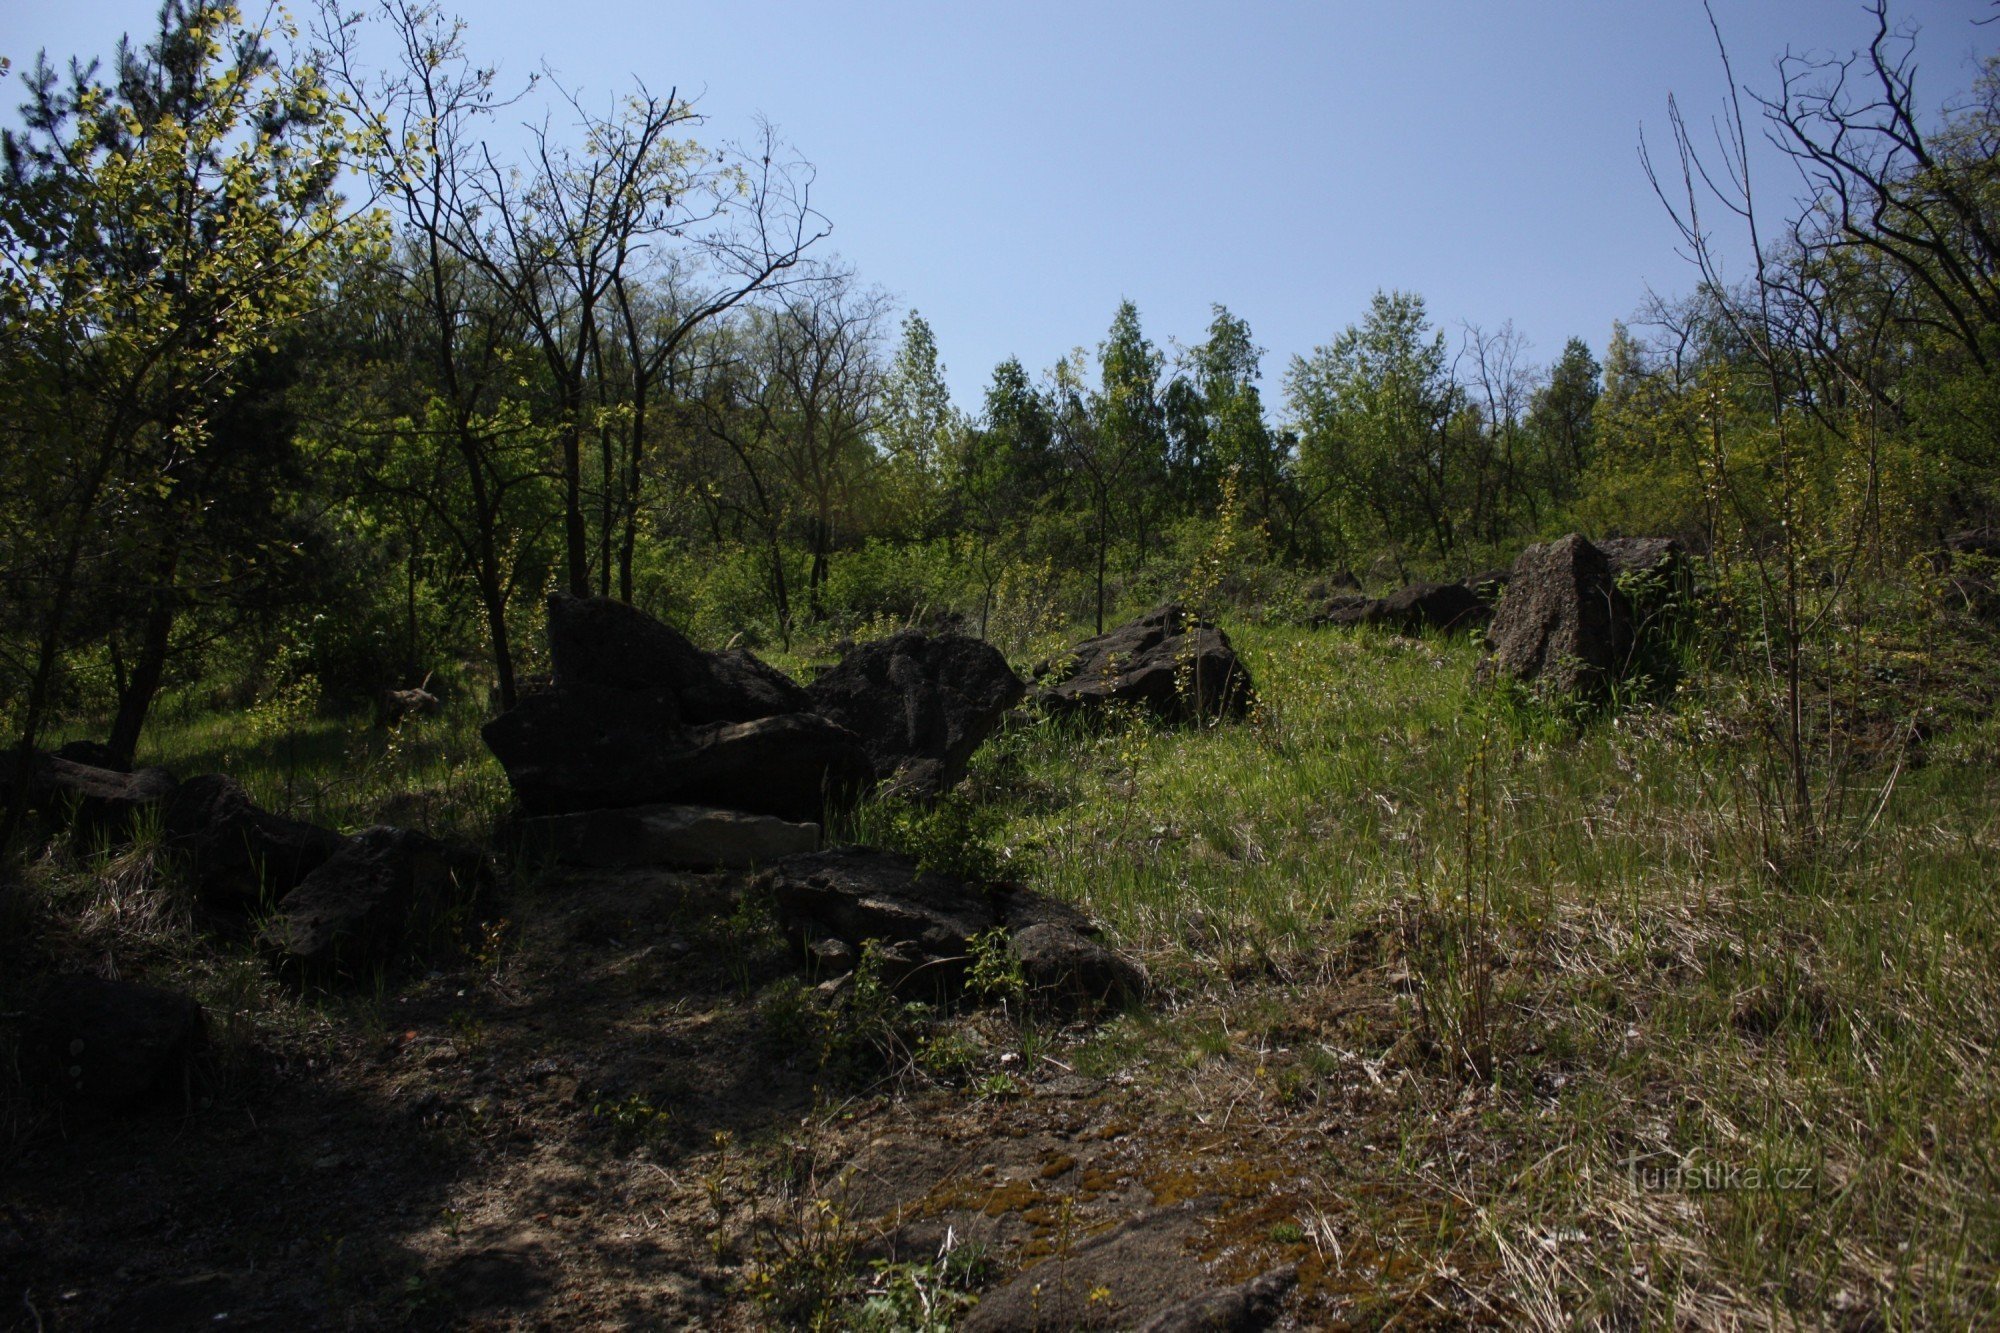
x=312, y=366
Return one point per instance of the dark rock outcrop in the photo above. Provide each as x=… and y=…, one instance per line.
x=921, y=704
x=91, y=754
x=1168, y=661
x=1344, y=612
x=923, y=925
x=385, y=887
x=1408, y=610
x=1432, y=606
x=1643, y=557
x=92, y=802
x=684, y=836
x=603, y=642
x=1068, y=970
x=111, y=1045
x=639, y=716
x=1563, y=622
x=588, y=747
x=238, y=855
x=393, y=707
x=1655, y=574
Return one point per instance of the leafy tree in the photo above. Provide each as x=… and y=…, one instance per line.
x=156, y=232
x=1127, y=454
x=918, y=429
x=1560, y=421
x=1375, y=411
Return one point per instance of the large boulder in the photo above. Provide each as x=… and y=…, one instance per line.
x=604, y=642
x=638, y=715
x=589, y=747
x=1563, y=622
x=1432, y=606
x=923, y=925
x=111, y=1045
x=93, y=802
x=1408, y=610
x=690, y=837
x=385, y=887
x=921, y=704
x=238, y=855
x=1169, y=661
x=1655, y=574
x=92, y=754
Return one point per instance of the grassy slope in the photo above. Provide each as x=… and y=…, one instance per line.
x=1593, y=944
x=1592, y=973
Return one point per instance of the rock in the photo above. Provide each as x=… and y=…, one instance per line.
x=1342, y=581
x=600, y=641
x=91, y=754
x=588, y=747
x=395, y=706
x=93, y=802
x=1408, y=610
x=1139, y=1270
x=922, y=922
x=238, y=855
x=381, y=889
x=110, y=1045
x=639, y=716
x=1254, y=1305
x=1563, y=621
x=1168, y=661
x=921, y=704
x=682, y=836
x=1438, y=606
x=1975, y=541
x=1068, y=971
x=1654, y=573
x=1488, y=584
x=1642, y=556
x=1344, y=612
x=830, y=958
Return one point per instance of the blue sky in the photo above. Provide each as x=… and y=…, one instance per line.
x=1013, y=171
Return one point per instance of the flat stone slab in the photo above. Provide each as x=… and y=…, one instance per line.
x=691, y=837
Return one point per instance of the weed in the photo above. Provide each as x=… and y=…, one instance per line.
x=994, y=973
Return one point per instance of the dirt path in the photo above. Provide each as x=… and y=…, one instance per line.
x=604, y=1122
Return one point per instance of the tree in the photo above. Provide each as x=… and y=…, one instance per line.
x=156, y=232
x=917, y=428
x=1216, y=415
x=1560, y=421
x=1374, y=411
x=794, y=407
x=1129, y=450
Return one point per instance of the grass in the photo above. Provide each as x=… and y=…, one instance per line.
x=1645, y=1065
x=1715, y=1085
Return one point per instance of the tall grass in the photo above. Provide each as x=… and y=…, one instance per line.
x=1663, y=1013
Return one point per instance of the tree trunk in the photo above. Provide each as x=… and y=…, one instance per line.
x=138, y=690
x=576, y=535
x=495, y=603
x=1103, y=543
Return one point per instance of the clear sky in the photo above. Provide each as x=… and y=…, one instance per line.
x=1013, y=170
